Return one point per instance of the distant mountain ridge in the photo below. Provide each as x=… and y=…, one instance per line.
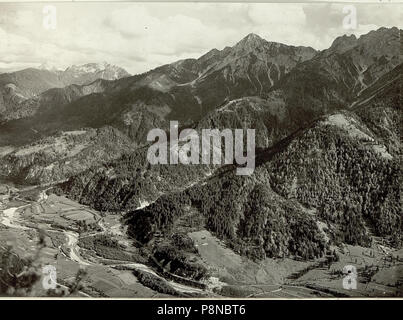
x=185, y=90
x=268, y=86
x=18, y=87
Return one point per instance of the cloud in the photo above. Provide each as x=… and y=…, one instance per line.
x=141, y=36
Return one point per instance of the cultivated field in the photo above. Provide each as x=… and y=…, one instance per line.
x=56, y=218
x=380, y=272
x=77, y=237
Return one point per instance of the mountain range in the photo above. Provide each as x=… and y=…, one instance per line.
x=327, y=136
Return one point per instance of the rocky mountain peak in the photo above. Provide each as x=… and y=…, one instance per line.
x=252, y=40
x=380, y=34
x=344, y=43
x=251, y=37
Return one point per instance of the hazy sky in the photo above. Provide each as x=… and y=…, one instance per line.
x=140, y=36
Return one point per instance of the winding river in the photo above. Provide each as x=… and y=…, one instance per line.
x=11, y=219
x=8, y=218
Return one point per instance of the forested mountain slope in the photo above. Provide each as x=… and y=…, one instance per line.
x=331, y=181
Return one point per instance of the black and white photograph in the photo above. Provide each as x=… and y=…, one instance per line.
x=201, y=150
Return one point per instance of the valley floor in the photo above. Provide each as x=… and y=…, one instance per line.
x=110, y=270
